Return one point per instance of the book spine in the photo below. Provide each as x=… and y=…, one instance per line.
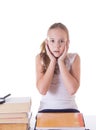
x=81, y=119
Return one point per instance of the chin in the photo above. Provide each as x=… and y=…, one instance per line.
x=56, y=56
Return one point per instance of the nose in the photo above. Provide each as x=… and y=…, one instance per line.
x=57, y=44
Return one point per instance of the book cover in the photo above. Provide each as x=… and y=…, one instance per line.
x=16, y=105
x=60, y=120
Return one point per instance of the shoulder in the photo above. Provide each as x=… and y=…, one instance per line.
x=38, y=58
x=73, y=57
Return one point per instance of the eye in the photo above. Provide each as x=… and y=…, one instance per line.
x=61, y=41
x=52, y=40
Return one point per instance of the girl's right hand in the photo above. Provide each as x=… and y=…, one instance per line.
x=51, y=56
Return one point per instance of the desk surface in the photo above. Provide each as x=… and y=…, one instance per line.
x=90, y=121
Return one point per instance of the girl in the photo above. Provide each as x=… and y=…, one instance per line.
x=57, y=72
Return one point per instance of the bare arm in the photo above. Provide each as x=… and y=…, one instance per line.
x=71, y=79
x=43, y=80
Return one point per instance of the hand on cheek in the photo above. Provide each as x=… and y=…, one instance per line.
x=62, y=57
x=51, y=56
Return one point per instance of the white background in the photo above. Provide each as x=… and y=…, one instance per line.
x=23, y=27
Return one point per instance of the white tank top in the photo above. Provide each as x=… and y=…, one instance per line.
x=57, y=96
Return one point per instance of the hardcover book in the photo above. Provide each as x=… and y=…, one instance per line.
x=16, y=105
x=63, y=121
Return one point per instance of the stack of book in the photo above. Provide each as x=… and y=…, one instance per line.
x=15, y=113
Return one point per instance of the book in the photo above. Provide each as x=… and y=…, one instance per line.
x=14, y=126
x=16, y=105
x=63, y=121
x=16, y=119
x=62, y=128
x=13, y=115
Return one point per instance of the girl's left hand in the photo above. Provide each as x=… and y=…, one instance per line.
x=62, y=57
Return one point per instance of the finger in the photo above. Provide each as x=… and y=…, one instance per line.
x=47, y=50
x=66, y=49
x=46, y=46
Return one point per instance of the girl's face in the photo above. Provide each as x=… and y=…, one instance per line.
x=57, y=41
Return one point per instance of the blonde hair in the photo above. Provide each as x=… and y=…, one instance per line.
x=44, y=57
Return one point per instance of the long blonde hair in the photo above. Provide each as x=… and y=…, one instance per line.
x=44, y=57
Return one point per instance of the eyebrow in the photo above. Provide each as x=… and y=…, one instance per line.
x=54, y=38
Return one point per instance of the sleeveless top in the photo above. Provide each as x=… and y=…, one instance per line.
x=57, y=96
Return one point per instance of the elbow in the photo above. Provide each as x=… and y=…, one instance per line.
x=41, y=90
x=73, y=90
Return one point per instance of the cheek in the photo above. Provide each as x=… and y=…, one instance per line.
x=50, y=46
x=62, y=49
